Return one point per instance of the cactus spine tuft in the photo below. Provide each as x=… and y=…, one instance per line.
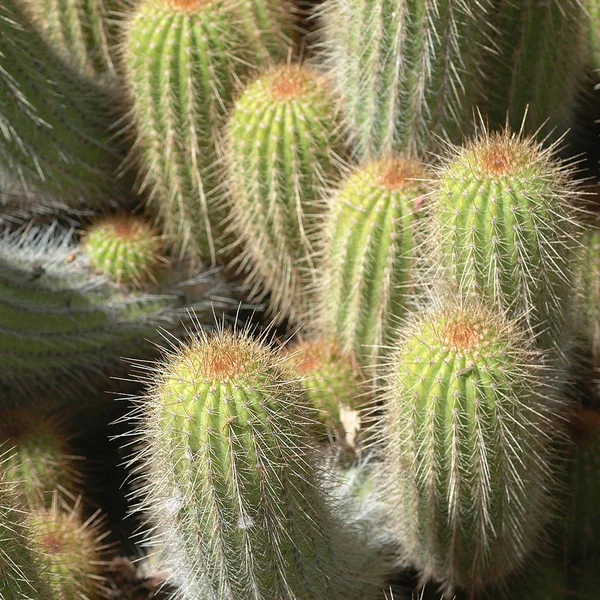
x=470, y=435
x=71, y=551
x=283, y=150
x=231, y=478
x=370, y=255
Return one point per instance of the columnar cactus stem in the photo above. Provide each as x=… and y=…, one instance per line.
x=407, y=71
x=332, y=383
x=183, y=62
x=54, y=125
x=283, y=150
x=504, y=227
x=536, y=70
x=370, y=255
x=21, y=567
x=471, y=435
x=231, y=480
x=80, y=30
x=71, y=550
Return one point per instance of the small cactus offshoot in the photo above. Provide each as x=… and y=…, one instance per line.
x=124, y=248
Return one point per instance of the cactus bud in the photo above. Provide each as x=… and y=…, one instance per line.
x=71, y=549
x=332, y=383
x=41, y=460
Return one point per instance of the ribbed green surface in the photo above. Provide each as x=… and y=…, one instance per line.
x=407, y=71
x=125, y=249
x=587, y=287
x=54, y=125
x=71, y=549
x=538, y=63
x=504, y=229
x=84, y=32
x=370, y=252
x=41, y=460
x=282, y=152
x=20, y=566
x=58, y=321
x=231, y=480
x=331, y=381
x=471, y=419
x=182, y=66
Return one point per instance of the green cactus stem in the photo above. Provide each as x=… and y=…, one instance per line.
x=231, y=480
x=283, y=150
x=333, y=384
x=84, y=32
x=582, y=523
x=41, y=460
x=505, y=219
x=370, y=256
x=472, y=438
x=71, y=548
x=587, y=286
x=124, y=248
x=536, y=69
x=21, y=567
x=54, y=124
x=58, y=322
x=407, y=71
x=183, y=61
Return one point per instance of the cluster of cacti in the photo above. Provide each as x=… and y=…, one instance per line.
x=334, y=260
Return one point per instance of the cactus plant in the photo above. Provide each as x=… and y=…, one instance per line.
x=505, y=219
x=21, y=570
x=71, y=550
x=124, y=248
x=41, y=460
x=472, y=435
x=54, y=124
x=83, y=32
x=536, y=71
x=63, y=322
x=227, y=457
x=407, y=72
x=370, y=256
x=332, y=383
x=283, y=149
x=587, y=287
x=179, y=110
